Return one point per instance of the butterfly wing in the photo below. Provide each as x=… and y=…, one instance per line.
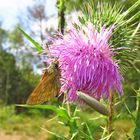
x=48, y=87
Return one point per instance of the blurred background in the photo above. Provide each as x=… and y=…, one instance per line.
x=20, y=70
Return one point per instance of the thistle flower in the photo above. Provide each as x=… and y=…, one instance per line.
x=86, y=60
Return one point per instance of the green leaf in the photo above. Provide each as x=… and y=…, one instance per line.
x=137, y=15
x=54, y=134
x=48, y=107
x=38, y=47
x=61, y=112
x=132, y=8
x=138, y=98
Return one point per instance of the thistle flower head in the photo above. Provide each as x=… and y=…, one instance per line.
x=86, y=60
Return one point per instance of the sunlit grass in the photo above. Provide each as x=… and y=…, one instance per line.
x=29, y=125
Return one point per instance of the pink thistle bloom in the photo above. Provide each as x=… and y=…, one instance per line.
x=86, y=60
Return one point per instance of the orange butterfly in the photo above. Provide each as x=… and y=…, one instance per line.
x=48, y=87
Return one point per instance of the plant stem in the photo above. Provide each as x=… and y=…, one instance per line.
x=137, y=122
x=61, y=15
x=110, y=114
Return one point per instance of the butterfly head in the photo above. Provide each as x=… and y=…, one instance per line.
x=54, y=66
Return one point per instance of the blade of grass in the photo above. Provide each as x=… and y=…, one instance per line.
x=88, y=130
x=86, y=136
x=37, y=45
x=133, y=117
x=56, y=135
x=74, y=135
x=107, y=137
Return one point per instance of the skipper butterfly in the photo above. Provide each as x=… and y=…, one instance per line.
x=48, y=87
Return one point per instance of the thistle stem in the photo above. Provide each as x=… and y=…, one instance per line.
x=110, y=114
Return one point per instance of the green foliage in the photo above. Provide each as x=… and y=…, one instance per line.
x=90, y=125
x=3, y=37
x=72, y=5
x=16, y=39
x=137, y=119
x=14, y=87
x=68, y=118
x=131, y=82
x=23, y=124
x=16, y=82
x=80, y=126
x=133, y=115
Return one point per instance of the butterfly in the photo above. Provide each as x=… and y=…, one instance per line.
x=48, y=87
